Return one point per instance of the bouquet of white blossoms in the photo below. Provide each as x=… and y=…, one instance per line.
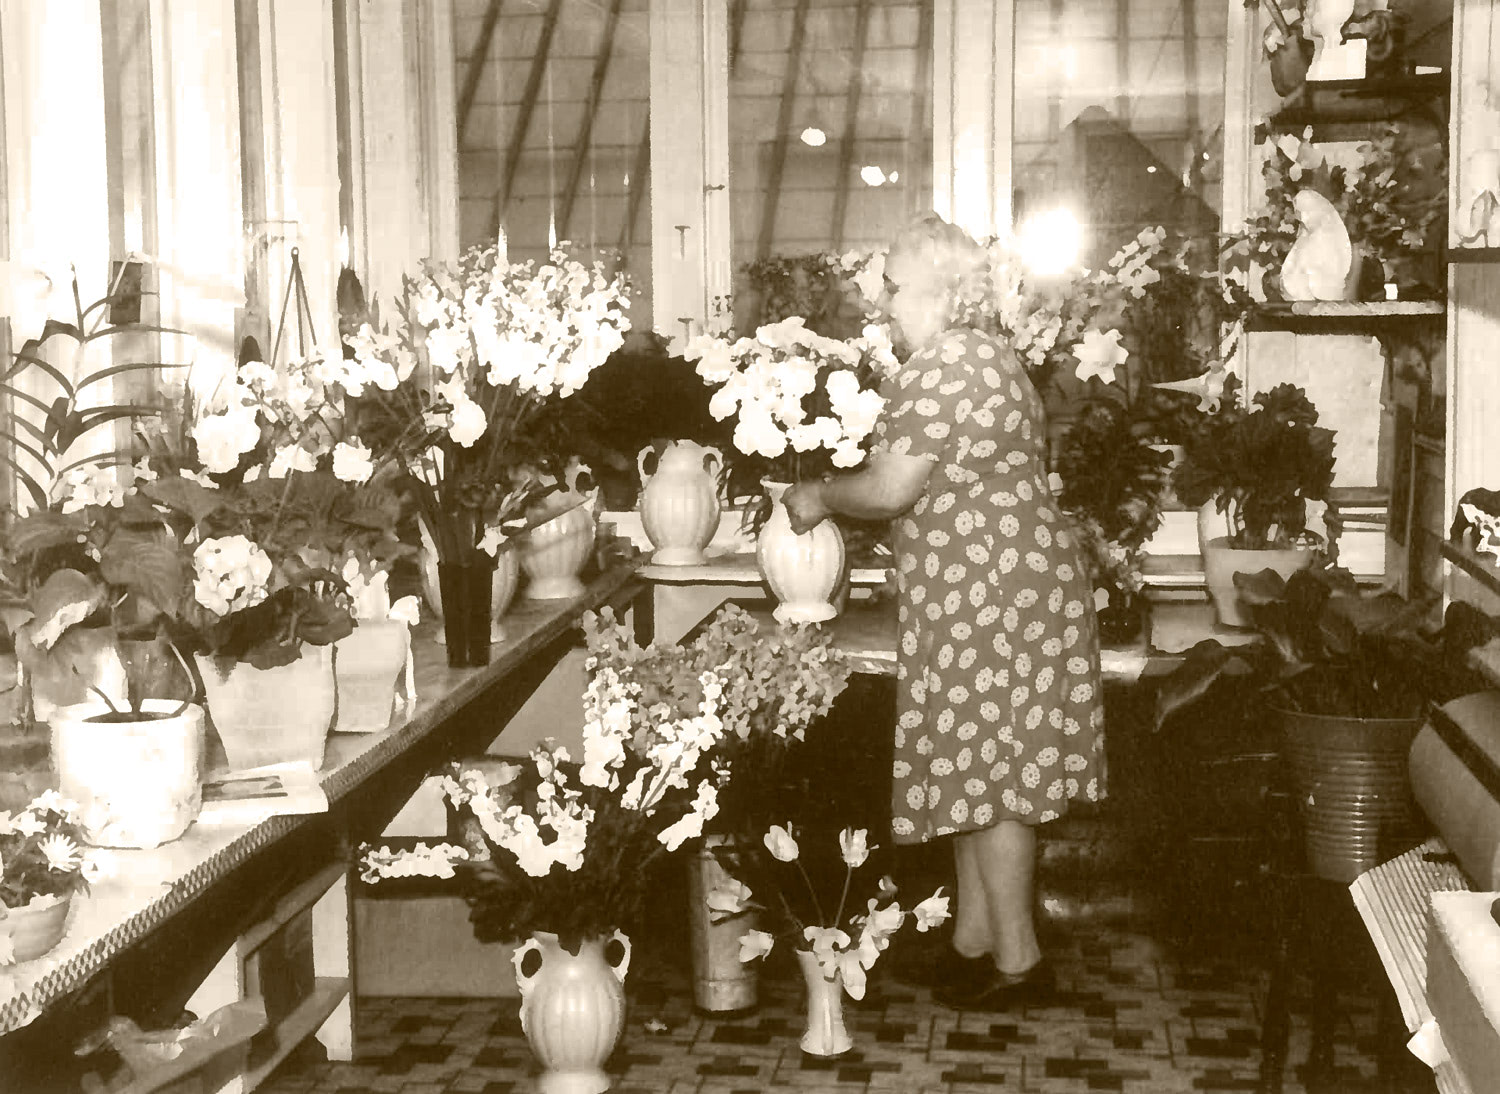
x=838, y=952
x=802, y=402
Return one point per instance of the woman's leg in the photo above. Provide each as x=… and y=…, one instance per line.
x=1006, y=860
x=971, y=913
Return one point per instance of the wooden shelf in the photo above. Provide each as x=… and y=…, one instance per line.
x=1481, y=567
x=328, y=992
x=1341, y=316
x=1332, y=106
x=1475, y=255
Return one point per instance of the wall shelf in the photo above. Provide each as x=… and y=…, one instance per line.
x=1474, y=254
x=1481, y=567
x=1340, y=316
x=1328, y=105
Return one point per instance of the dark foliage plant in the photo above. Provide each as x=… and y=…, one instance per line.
x=1260, y=467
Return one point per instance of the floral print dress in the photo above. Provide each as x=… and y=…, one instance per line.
x=998, y=698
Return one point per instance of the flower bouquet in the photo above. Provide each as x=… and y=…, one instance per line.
x=804, y=405
x=41, y=867
x=452, y=391
x=832, y=959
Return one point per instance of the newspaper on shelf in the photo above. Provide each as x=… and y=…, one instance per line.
x=255, y=794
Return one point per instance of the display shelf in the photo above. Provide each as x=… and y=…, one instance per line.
x=1329, y=106
x=1474, y=254
x=1480, y=567
x=327, y=994
x=1341, y=316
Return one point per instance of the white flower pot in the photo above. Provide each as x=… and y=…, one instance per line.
x=367, y=667
x=679, y=504
x=804, y=570
x=272, y=716
x=35, y=929
x=502, y=590
x=1221, y=562
x=137, y=784
x=572, y=1009
x=555, y=552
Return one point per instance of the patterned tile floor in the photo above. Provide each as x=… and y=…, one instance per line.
x=1128, y=1016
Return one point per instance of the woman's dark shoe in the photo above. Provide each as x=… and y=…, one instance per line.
x=1000, y=991
x=944, y=967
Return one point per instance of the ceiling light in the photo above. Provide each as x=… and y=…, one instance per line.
x=1050, y=242
x=814, y=137
x=872, y=175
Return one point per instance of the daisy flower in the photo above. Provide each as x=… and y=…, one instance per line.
x=62, y=853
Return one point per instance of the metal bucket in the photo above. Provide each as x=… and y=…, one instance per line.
x=1352, y=787
x=722, y=983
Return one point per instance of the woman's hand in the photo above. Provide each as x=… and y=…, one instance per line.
x=805, y=507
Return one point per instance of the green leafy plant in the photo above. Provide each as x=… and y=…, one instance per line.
x=1325, y=648
x=1260, y=467
x=54, y=414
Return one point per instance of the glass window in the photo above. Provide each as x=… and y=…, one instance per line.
x=1119, y=106
x=554, y=130
x=830, y=128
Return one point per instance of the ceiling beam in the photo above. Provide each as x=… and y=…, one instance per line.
x=638, y=184
x=918, y=131
x=1122, y=59
x=526, y=111
x=1191, y=105
x=843, y=184
x=477, y=60
x=784, y=118
x=736, y=29
x=590, y=114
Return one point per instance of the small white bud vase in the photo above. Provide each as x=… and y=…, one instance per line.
x=679, y=502
x=826, y=1033
x=802, y=570
x=572, y=1009
x=137, y=783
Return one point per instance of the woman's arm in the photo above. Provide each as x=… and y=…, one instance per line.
x=887, y=486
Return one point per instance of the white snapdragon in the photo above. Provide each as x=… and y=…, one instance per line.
x=91, y=484
x=223, y=437
x=230, y=573
x=352, y=462
x=379, y=863
x=289, y=458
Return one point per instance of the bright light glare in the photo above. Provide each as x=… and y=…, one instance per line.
x=872, y=175
x=814, y=137
x=893, y=176
x=1050, y=242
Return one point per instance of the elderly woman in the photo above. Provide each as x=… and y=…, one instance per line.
x=998, y=718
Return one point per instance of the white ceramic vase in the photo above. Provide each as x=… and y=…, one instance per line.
x=502, y=589
x=34, y=930
x=367, y=668
x=826, y=1033
x=572, y=1009
x=138, y=784
x=804, y=570
x=679, y=502
x=272, y=716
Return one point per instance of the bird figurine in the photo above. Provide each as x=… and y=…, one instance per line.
x=1317, y=267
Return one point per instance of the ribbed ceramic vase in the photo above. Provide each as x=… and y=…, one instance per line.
x=137, y=783
x=555, y=553
x=572, y=1008
x=679, y=501
x=826, y=1033
x=804, y=570
x=272, y=716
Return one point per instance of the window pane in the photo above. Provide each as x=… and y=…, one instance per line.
x=1118, y=116
x=858, y=75
x=553, y=130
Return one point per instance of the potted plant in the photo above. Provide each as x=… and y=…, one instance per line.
x=835, y=945
x=1259, y=468
x=558, y=853
x=453, y=391
x=41, y=869
x=1390, y=209
x=778, y=682
x=804, y=405
x=1348, y=678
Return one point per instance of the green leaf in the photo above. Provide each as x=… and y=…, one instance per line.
x=34, y=488
x=1263, y=587
x=45, y=530
x=117, y=370
x=56, y=327
x=82, y=421
x=66, y=598
x=146, y=563
x=184, y=496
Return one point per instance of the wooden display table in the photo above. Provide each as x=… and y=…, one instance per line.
x=234, y=909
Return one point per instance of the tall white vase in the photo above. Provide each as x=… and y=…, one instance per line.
x=804, y=570
x=679, y=503
x=572, y=1009
x=826, y=1034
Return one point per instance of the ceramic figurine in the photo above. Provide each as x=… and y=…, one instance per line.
x=1333, y=59
x=1317, y=267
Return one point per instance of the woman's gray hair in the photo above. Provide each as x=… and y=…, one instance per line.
x=955, y=260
